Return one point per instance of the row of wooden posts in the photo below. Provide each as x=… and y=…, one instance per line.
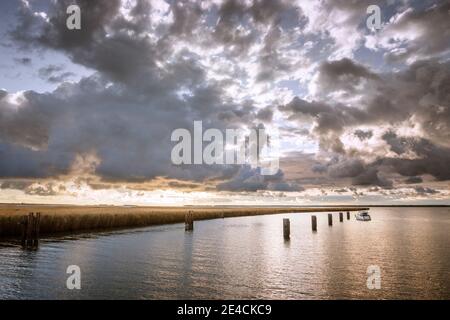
x=287, y=223
x=189, y=222
x=30, y=230
x=31, y=225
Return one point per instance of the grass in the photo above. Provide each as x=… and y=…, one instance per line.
x=74, y=219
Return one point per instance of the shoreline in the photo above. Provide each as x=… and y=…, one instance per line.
x=59, y=219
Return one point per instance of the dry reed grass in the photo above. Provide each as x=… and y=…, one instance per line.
x=74, y=219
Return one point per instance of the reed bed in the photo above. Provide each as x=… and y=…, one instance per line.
x=76, y=219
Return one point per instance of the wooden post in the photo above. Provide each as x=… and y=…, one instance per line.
x=36, y=225
x=23, y=224
x=30, y=230
x=330, y=219
x=189, y=221
x=30, y=223
x=341, y=217
x=348, y=215
x=286, y=229
x=314, y=223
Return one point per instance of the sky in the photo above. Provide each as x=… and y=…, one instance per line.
x=363, y=114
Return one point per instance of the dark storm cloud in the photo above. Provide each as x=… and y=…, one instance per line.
x=372, y=177
x=412, y=180
x=122, y=122
x=106, y=42
x=248, y=179
x=363, y=135
x=114, y=123
x=424, y=190
x=29, y=123
x=398, y=145
x=419, y=92
x=17, y=162
x=125, y=113
x=319, y=168
x=144, y=86
x=245, y=113
x=265, y=114
x=233, y=13
x=354, y=169
x=15, y=184
x=343, y=74
x=330, y=120
x=240, y=25
x=187, y=16
x=426, y=31
x=430, y=158
x=346, y=168
x=183, y=185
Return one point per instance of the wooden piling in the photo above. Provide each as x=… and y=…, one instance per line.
x=30, y=223
x=348, y=215
x=330, y=219
x=341, y=217
x=189, y=221
x=314, y=223
x=286, y=229
x=36, y=229
x=23, y=224
x=30, y=230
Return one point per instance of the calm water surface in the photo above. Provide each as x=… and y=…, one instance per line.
x=244, y=258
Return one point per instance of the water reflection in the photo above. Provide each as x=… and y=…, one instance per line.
x=245, y=257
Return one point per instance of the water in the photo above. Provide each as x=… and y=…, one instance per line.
x=245, y=258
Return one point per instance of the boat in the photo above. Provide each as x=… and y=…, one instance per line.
x=363, y=216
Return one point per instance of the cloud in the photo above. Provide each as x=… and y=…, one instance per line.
x=425, y=190
x=415, y=95
x=15, y=184
x=54, y=73
x=428, y=158
x=413, y=35
x=372, y=177
x=251, y=180
x=25, y=119
x=413, y=180
x=346, y=168
x=363, y=135
x=265, y=114
x=123, y=112
x=158, y=66
x=343, y=74
x=25, y=61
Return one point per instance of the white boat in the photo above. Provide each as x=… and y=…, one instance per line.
x=363, y=216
